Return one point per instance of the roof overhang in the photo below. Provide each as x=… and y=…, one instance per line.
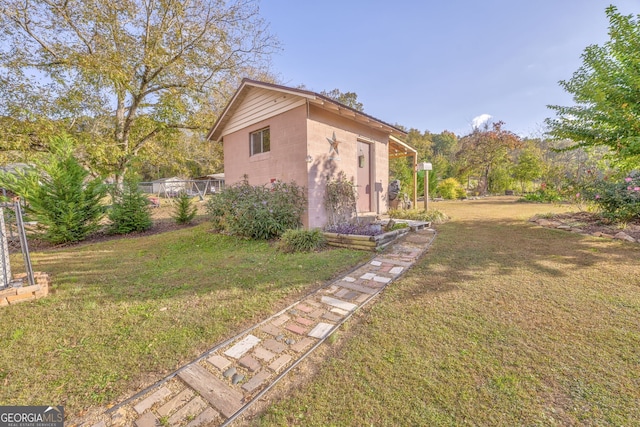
x=326, y=103
x=398, y=148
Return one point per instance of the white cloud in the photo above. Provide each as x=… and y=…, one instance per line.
x=480, y=120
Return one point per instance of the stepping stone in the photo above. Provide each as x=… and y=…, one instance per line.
x=331, y=289
x=302, y=344
x=147, y=420
x=348, y=279
x=316, y=314
x=396, y=270
x=311, y=303
x=281, y=320
x=156, y=397
x=183, y=397
x=397, y=262
x=239, y=349
x=351, y=295
x=256, y=381
x=205, y=418
x=342, y=292
x=250, y=363
x=304, y=308
x=332, y=317
x=280, y=363
x=297, y=329
x=381, y=279
x=360, y=288
x=303, y=321
x=362, y=298
x=191, y=409
x=339, y=311
x=263, y=354
x=367, y=276
x=376, y=263
x=222, y=397
x=321, y=330
x=338, y=303
x=274, y=346
x=271, y=330
x=236, y=378
x=219, y=362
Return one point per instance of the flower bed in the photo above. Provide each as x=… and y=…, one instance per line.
x=371, y=237
x=362, y=242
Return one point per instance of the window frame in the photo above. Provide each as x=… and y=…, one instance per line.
x=261, y=133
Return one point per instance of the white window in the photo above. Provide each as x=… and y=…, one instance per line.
x=260, y=141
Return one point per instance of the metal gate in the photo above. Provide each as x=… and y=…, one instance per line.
x=13, y=239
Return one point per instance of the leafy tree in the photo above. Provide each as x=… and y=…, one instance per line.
x=350, y=99
x=606, y=90
x=422, y=142
x=500, y=178
x=444, y=149
x=528, y=166
x=128, y=74
x=484, y=150
x=60, y=194
x=444, y=143
x=188, y=156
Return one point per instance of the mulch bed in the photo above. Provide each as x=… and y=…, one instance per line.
x=159, y=226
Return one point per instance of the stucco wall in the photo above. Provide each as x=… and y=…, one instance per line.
x=285, y=162
x=293, y=137
x=322, y=125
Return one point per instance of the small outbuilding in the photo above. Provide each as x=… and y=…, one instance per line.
x=271, y=132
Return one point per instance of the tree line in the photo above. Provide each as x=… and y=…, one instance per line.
x=134, y=85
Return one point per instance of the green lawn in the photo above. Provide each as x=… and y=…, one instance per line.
x=502, y=323
x=126, y=312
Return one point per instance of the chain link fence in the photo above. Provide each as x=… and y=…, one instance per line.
x=13, y=239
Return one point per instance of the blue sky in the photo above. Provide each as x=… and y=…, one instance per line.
x=438, y=65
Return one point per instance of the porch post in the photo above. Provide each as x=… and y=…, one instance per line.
x=415, y=180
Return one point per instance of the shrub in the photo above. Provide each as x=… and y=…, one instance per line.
x=257, y=212
x=434, y=216
x=619, y=201
x=340, y=199
x=542, y=195
x=60, y=196
x=399, y=226
x=300, y=240
x=130, y=211
x=451, y=189
x=184, y=211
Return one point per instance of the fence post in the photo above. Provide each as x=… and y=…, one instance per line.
x=23, y=244
x=5, y=266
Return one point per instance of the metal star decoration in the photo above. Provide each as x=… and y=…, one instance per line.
x=333, y=146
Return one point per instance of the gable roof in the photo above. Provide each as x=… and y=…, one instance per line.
x=314, y=98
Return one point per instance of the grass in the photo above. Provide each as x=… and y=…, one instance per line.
x=502, y=323
x=126, y=312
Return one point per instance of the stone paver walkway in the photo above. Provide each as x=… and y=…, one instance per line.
x=216, y=388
